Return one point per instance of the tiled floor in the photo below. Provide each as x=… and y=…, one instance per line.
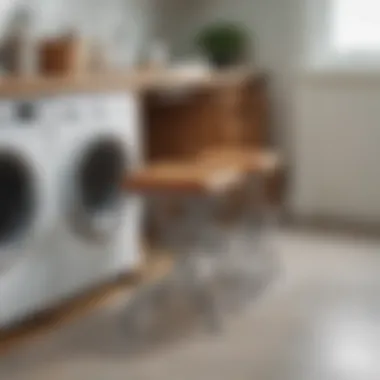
x=319, y=320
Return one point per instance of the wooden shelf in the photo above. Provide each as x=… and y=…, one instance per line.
x=132, y=80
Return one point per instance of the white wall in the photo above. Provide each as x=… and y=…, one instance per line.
x=336, y=150
x=124, y=26
x=329, y=129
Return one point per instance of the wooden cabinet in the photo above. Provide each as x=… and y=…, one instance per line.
x=179, y=127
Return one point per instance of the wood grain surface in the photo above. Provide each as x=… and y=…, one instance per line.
x=250, y=161
x=139, y=80
x=184, y=178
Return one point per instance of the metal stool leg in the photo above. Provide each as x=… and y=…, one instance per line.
x=199, y=244
x=258, y=221
x=141, y=309
x=207, y=249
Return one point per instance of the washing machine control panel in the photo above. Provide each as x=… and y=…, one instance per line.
x=72, y=110
x=20, y=113
x=111, y=108
x=68, y=111
x=87, y=109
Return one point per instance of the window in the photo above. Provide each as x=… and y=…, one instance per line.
x=355, y=26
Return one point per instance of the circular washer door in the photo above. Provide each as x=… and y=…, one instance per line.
x=17, y=199
x=96, y=205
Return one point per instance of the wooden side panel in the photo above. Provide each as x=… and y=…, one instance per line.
x=181, y=127
x=256, y=113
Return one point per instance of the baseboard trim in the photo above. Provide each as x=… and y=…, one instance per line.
x=38, y=324
x=326, y=224
x=65, y=310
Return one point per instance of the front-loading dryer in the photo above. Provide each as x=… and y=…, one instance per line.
x=27, y=267
x=97, y=143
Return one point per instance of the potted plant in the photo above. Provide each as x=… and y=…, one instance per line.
x=224, y=43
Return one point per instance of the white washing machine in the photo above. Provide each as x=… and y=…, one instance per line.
x=98, y=229
x=27, y=266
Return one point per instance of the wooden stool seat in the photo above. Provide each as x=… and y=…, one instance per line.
x=249, y=161
x=195, y=236
x=184, y=178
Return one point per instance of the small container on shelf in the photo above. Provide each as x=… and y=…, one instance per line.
x=64, y=56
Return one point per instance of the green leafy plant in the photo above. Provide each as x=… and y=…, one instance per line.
x=223, y=43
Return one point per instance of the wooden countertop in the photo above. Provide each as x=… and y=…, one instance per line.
x=184, y=178
x=133, y=80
